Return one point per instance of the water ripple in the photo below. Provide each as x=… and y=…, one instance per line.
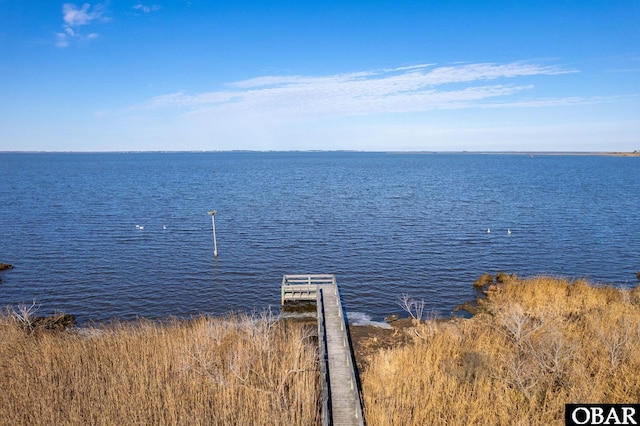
x=126, y=235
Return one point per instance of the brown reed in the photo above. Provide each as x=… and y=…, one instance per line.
x=240, y=369
x=540, y=344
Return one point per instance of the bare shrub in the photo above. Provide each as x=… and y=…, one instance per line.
x=414, y=307
x=426, y=329
x=619, y=338
x=25, y=315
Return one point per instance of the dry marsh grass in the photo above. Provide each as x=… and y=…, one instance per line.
x=540, y=343
x=239, y=369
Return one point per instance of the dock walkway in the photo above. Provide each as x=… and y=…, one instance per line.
x=340, y=390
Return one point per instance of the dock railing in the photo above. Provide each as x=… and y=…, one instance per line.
x=323, y=355
x=304, y=287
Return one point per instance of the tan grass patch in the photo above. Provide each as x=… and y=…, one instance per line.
x=542, y=343
x=215, y=371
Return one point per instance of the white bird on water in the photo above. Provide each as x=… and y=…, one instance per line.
x=509, y=231
x=139, y=227
x=488, y=230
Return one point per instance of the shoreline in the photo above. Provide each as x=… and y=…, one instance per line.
x=535, y=343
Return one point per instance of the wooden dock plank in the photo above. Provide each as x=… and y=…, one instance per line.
x=345, y=406
x=343, y=390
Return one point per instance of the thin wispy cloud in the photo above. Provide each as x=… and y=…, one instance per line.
x=406, y=89
x=147, y=9
x=74, y=17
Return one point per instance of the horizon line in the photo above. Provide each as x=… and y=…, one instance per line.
x=515, y=152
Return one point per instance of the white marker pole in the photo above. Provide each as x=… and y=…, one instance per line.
x=213, y=224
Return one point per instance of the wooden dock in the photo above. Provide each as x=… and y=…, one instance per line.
x=341, y=403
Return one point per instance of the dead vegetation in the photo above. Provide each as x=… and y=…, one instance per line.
x=536, y=345
x=533, y=346
x=241, y=369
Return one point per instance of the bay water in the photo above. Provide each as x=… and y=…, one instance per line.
x=126, y=235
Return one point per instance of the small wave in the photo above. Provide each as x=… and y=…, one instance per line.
x=360, y=318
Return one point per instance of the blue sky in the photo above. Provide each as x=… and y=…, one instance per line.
x=361, y=75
